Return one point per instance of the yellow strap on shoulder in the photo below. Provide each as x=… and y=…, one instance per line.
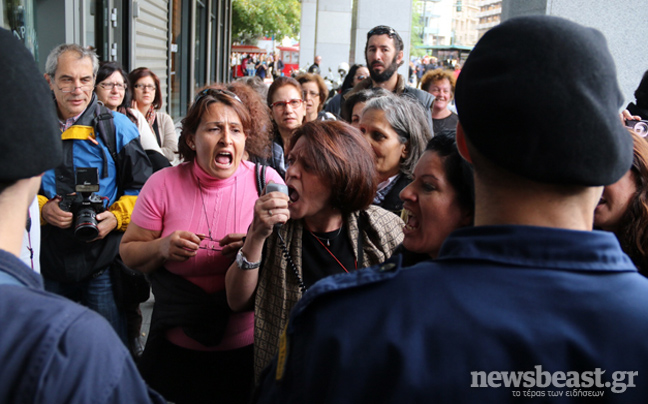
x=282, y=355
x=78, y=132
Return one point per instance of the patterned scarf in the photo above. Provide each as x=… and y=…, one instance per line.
x=150, y=117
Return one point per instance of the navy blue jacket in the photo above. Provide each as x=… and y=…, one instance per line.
x=497, y=299
x=53, y=351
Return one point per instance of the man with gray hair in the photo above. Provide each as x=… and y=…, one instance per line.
x=51, y=350
x=86, y=201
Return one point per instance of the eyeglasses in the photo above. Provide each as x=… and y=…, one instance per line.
x=70, y=88
x=214, y=92
x=110, y=86
x=312, y=94
x=281, y=105
x=208, y=243
x=360, y=77
x=143, y=87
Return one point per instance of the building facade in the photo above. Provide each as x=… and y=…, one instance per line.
x=186, y=43
x=489, y=15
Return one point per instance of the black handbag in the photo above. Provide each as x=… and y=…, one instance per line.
x=130, y=287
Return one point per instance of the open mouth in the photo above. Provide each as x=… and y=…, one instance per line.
x=411, y=221
x=293, y=194
x=224, y=159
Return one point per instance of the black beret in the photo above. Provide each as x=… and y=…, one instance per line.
x=538, y=96
x=30, y=138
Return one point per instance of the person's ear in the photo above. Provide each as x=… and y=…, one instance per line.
x=49, y=81
x=405, y=151
x=399, y=59
x=190, y=141
x=461, y=143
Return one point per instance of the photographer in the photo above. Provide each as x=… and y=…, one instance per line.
x=106, y=145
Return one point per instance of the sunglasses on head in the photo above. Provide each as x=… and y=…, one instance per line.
x=382, y=30
x=214, y=92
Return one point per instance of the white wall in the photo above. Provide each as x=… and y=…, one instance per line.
x=623, y=22
x=325, y=31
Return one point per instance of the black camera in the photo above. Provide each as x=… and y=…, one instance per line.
x=641, y=127
x=85, y=204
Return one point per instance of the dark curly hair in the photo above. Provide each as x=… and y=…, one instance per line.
x=633, y=227
x=258, y=143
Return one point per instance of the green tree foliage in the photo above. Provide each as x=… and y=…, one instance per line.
x=417, y=30
x=252, y=19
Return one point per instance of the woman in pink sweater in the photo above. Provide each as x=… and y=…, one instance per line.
x=186, y=227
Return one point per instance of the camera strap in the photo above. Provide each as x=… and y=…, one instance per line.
x=103, y=123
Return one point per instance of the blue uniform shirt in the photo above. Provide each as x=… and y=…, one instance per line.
x=54, y=351
x=502, y=300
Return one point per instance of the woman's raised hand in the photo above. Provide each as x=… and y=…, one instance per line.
x=269, y=210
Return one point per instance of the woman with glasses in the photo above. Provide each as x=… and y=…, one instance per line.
x=185, y=230
x=315, y=94
x=287, y=111
x=441, y=84
x=147, y=98
x=329, y=227
x=356, y=74
x=113, y=91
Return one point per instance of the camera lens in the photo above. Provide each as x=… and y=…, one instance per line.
x=85, y=225
x=641, y=128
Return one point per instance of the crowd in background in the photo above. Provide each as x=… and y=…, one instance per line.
x=272, y=184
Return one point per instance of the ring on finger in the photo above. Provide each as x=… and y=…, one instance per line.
x=270, y=212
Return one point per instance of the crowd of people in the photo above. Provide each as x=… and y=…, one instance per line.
x=379, y=245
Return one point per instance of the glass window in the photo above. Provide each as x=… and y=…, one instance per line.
x=200, y=74
x=18, y=17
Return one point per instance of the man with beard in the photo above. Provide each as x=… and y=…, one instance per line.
x=384, y=54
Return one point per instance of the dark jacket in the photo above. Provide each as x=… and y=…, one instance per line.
x=54, y=351
x=64, y=257
x=635, y=110
x=558, y=304
x=392, y=201
x=424, y=98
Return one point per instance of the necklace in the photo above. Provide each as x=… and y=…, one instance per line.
x=209, y=230
x=319, y=240
x=328, y=240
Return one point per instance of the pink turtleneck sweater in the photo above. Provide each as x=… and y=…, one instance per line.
x=171, y=200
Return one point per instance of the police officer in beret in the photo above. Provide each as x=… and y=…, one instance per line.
x=530, y=301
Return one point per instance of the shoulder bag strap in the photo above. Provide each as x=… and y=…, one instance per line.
x=260, y=173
